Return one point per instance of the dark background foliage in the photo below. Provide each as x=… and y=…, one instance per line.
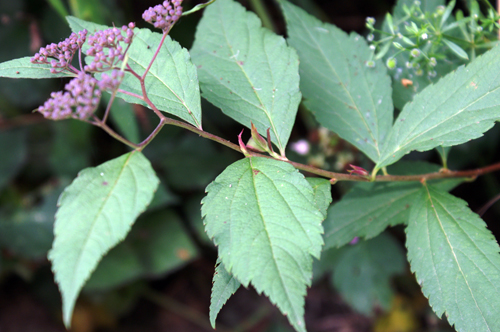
x=159, y=279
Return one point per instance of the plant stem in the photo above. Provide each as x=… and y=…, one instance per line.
x=154, y=56
x=445, y=174
x=99, y=123
x=180, y=309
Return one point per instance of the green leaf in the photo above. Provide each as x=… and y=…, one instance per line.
x=448, y=113
x=383, y=205
x=246, y=70
x=156, y=245
x=96, y=212
x=171, y=83
x=456, y=49
x=224, y=285
x=455, y=258
x=68, y=137
x=23, y=68
x=193, y=162
x=262, y=216
x=345, y=95
x=362, y=272
x=13, y=150
x=123, y=116
x=322, y=193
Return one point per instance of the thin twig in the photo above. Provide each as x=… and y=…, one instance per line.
x=181, y=309
x=488, y=205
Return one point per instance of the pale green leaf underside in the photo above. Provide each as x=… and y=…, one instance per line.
x=262, y=216
x=96, y=212
x=460, y=107
x=362, y=272
x=171, y=83
x=456, y=260
x=322, y=193
x=383, y=205
x=23, y=68
x=345, y=95
x=224, y=285
x=246, y=70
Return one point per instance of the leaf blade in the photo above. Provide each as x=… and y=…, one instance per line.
x=86, y=227
x=23, y=68
x=246, y=70
x=362, y=272
x=345, y=95
x=455, y=258
x=384, y=205
x=447, y=113
x=224, y=285
x=172, y=81
x=240, y=215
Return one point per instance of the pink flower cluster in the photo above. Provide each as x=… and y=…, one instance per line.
x=59, y=56
x=79, y=101
x=106, y=48
x=165, y=15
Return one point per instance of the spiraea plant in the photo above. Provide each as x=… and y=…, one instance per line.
x=268, y=220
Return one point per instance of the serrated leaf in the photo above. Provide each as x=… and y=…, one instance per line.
x=95, y=213
x=362, y=272
x=246, y=70
x=23, y=68
x=383, y=205
x=156, y=245
x=224, y=285
x=345, y=95
x=456, y=260
x=460, y=107
x=322, y=193
x=171, y=83
x=262, y=216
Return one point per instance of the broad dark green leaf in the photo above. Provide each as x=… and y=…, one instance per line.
x=383, y=205
x=193, y=162
x=68, y=137
x=95, y=213
x=246, y=70
x=456, y=261
x=28, y=232
x=224, y=285
x=13, y=152
x=460, y=107
x=262, y=216
x=322, y=193
x=163, y=197
x=345, y=95
x=23, y=68
x=123, y=116
x=156, y=245
x=362, y=272
x=171, y=83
